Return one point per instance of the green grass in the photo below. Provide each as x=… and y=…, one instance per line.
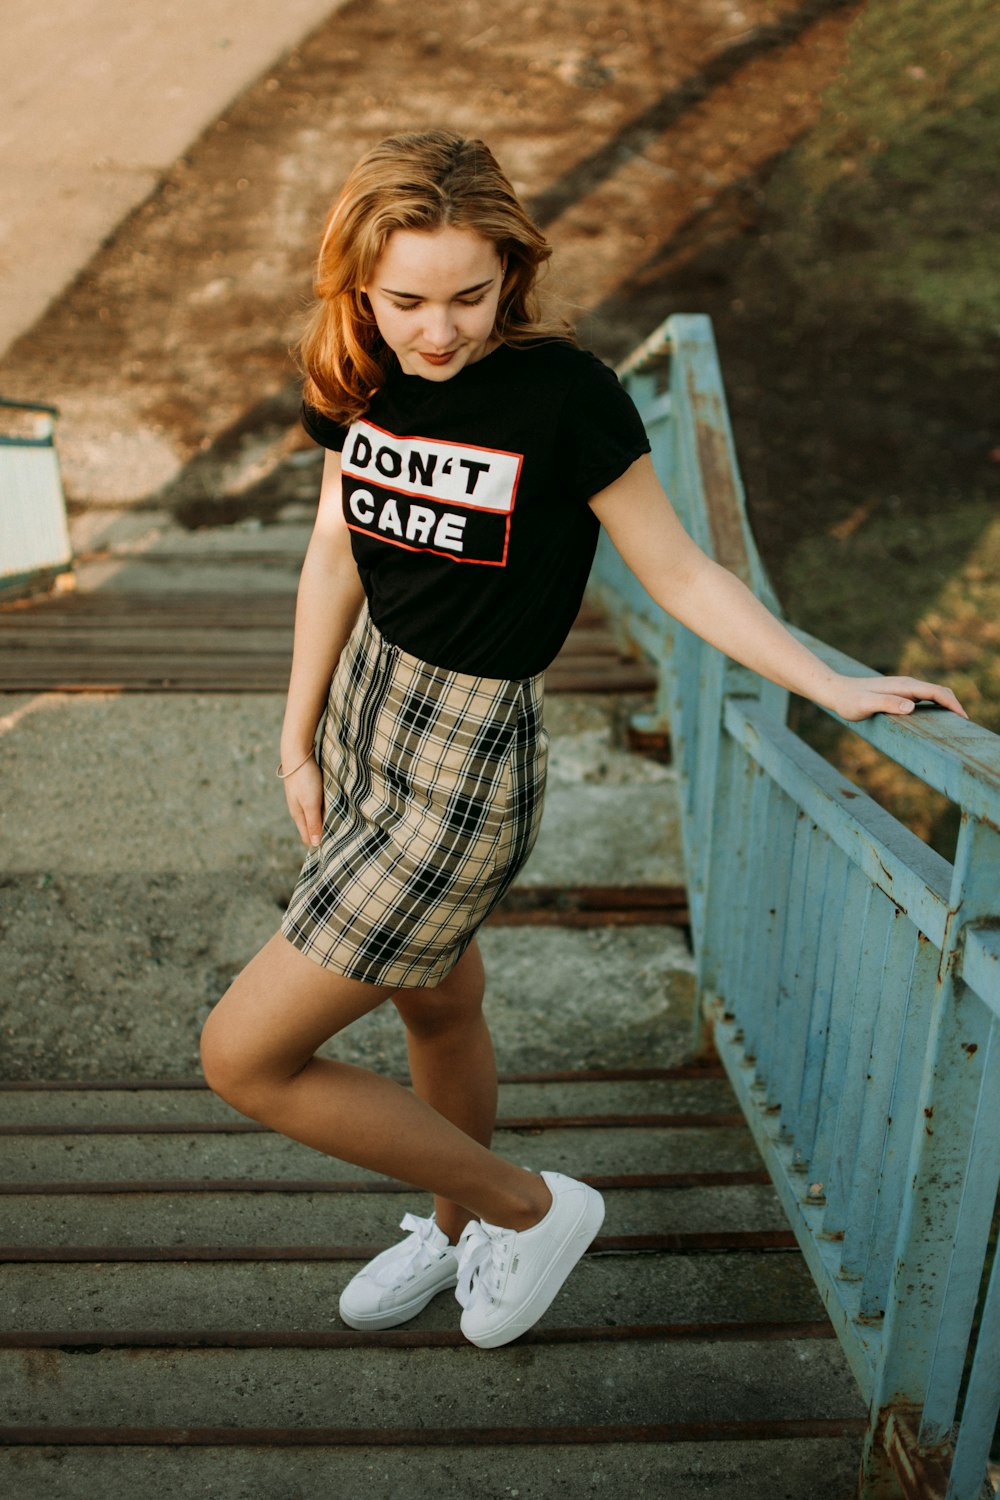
x=942, y=575
x=899, y=176
x=863, y=370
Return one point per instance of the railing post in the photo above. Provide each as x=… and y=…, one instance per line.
x=948, y=1206
x=722, y=814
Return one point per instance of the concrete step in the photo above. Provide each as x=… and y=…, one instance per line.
x=95, y=1303
x=250, y=1159
x=143, y=933
x=371, y=1219
x=629, y=835
x=691, y=1470
x=179, y=1299
x=134, y=958
x=538, y=1386
x=77, y=1108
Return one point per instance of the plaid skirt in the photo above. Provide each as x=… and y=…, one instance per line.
x=433, y=784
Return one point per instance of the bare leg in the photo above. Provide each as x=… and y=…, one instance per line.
x=451, y=1061
x=258, y=1050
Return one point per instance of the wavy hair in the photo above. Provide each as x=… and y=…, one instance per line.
x=424, y=182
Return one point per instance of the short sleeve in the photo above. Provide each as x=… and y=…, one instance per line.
x=323, y=430
x=600, y=432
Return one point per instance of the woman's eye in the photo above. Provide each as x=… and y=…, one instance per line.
x=461, y=301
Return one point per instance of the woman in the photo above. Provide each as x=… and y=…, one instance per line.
x=473, y=451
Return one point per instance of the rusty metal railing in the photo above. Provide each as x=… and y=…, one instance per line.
x=849, y=974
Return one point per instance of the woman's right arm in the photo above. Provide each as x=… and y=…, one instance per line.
x=329, y=600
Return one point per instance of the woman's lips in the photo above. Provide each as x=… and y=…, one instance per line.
x=438, y=359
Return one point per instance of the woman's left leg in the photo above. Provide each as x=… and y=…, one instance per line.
x=258, y=1052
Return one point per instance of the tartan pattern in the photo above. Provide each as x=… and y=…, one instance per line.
x=434, y=783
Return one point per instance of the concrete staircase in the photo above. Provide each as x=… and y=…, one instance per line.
x=171, y=1279
x=171, y=1272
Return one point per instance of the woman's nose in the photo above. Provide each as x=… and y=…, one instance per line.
x=439, y=328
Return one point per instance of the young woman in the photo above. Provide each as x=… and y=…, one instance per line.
x=473, y=452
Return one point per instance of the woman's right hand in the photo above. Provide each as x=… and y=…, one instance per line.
x=304, y=795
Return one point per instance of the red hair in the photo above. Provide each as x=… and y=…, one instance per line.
x=421, y=182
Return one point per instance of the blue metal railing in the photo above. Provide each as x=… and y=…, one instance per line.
x=850, y=976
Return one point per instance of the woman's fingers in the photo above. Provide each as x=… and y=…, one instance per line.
x=865, y=696
x=313, y=818
x=304, y=795
x=912, y=691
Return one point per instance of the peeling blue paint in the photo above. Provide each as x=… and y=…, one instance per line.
x=856, y=968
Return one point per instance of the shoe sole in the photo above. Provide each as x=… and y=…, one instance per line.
x=401, y=1314
x=575, y=1243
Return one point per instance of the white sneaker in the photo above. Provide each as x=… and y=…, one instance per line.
x=507, y=1278
x=400, y=1282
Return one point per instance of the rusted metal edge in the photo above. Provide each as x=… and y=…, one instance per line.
x=587, y=897
x=87, y=1341
x=116, y=602
x=720, y=485
x=670, y=914
x=256, y=674
x=922, y=1475
x=579, y=1075
x=220, y=559
x=681, y=1073
x=181, y=603
x=593, y=906
x=509, y=1122
x=432, y=1437
x=641, y=1180
x=682, y=1242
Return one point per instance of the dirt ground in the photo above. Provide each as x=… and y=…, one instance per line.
x=818, y=176
x=623, y=125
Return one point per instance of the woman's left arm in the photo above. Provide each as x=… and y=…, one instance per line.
x=714, y=604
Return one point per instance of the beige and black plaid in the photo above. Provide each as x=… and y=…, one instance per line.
x=434, y=783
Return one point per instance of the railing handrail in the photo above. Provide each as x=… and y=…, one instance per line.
x=947, y=752
x=953, y=755
x=851, y=974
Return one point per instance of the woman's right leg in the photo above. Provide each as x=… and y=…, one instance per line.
x=258, y=1052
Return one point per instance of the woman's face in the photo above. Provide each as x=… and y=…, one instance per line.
x=434, y=294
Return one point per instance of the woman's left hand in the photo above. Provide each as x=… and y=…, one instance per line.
x=860, y=697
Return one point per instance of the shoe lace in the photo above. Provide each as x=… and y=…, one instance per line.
x=480, y=1255
x=412, y=1255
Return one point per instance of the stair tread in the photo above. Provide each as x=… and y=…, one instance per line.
x=62, y=1159
x=740, y=1286
x=686, y=1471
x=70, y=1107
x=542, y=1386
x=250, y=1218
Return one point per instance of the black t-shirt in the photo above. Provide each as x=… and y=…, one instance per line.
x=467, y=502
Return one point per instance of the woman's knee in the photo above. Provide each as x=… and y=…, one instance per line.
x=457, y=1002
x=235, y=1057
x=223, y=1060
x=270, y=1022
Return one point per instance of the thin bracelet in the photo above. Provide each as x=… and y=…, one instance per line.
x=282, y=774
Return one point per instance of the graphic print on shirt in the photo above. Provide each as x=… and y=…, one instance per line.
x=452, y=499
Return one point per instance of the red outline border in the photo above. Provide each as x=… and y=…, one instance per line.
x=480, y=562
